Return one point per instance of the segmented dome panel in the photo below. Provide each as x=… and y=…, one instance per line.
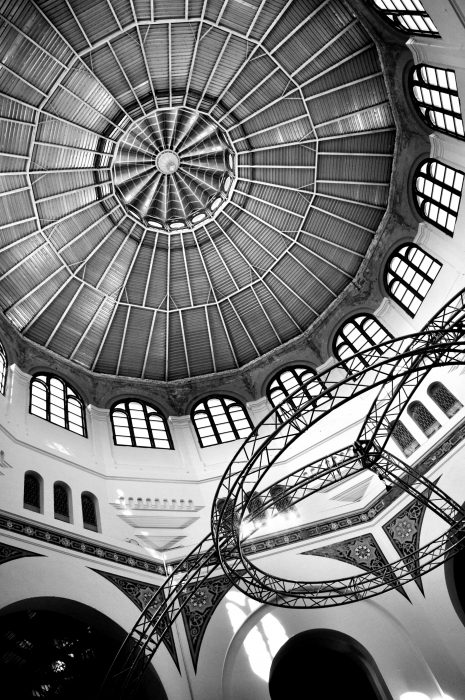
x=185, y=185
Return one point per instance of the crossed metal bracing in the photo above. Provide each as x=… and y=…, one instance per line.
x=102, y=257
x=396, y=366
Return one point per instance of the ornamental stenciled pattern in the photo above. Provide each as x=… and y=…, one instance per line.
x=362, y=551
x=141, y=593
x=404, y=530
x=199, y=610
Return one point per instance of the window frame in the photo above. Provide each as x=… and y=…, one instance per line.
x=3, y=368
x=341, y=334
x=429, y=163
x=434, y=425
x=288, y=396
x=69, y=393
x=392, y=16
x=59, y=516
x=402, y=252
x=457, y=405
x=40, y=483
x=148, y=411
x=94, y=500
x=417, y=80
x=227, y=410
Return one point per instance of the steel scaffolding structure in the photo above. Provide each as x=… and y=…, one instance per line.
x=396, y=366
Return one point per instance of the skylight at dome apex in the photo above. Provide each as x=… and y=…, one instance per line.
x=185, y=185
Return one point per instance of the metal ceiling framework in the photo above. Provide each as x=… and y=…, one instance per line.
x=397, y=366
x=123, y=121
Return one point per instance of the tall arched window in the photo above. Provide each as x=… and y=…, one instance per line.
x=138, y=424
x=438, y=189
x=404, y=439
x=3, y=368
x=409, y=274
x=408, y=15
x=33, y=490
x=55, y=401
x=285, y=385
x=89, y=511
x=220, y=419
x=359, y=333
x=282, y=502
x=436, y=99
x=61, y=501
x=443, y=398
x=423, y=418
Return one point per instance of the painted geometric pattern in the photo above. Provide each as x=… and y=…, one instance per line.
x=362, y=551
x=8, y=553
x=66, y=540
x=404, y=532
x=199, y=610
x=140, y=593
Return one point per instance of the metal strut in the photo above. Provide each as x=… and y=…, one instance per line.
x=396, y=366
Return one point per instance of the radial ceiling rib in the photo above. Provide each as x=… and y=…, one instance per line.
x=133, y=182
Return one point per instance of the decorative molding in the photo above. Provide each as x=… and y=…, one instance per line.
x=65, y=540
x=9, y=553
x=371, y=511
x=199, y=610
x=70, y=542
x=363, y=552
x=140, y=593
x=403, y=530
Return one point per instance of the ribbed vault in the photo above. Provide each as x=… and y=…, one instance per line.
x=184, y=185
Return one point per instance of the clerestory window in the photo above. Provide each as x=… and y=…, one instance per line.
x=296, y=384
x=444, y=398
x=423, y=418
x=61, y=501
x=408, y=16
x=438, y=189
x=138, y=424
x=359, y=333
x=220, y=419
x=55, y=401
x=33, y=489
x=409, y=274
x=436, y=99
x=404, y=439
x=89, y=511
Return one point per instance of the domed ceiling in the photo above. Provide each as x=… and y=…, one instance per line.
x=185, y=185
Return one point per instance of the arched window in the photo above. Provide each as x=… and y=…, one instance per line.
x=55, y=401
x=423, y=418
x=61, y=504
x=220, y=419
x=253, y=506
x=436, y=99
x=410, y=272
x=286, y=382
x=33, y=489
x=408, y=15
x=443, y=398
x=404, y=439
x=438, y=189
x=3, y=368
x=359, y=333
x=89, y=511
x=282, y=502
x=138, y=424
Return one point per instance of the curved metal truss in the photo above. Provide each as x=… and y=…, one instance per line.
x=396, y=366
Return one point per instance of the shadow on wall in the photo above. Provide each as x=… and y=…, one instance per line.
x=325, y=663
